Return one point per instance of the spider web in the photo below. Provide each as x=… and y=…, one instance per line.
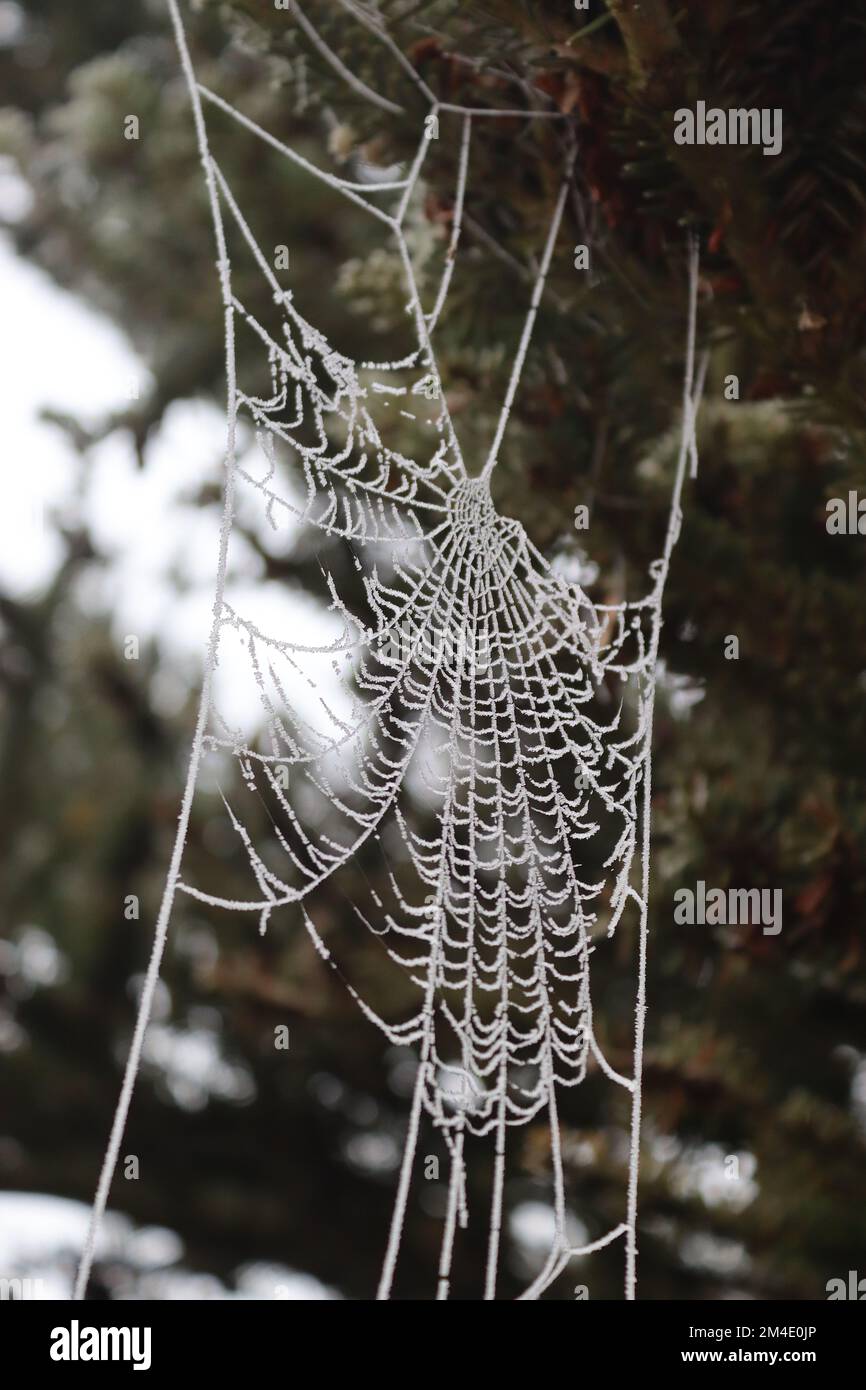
x=472, y=674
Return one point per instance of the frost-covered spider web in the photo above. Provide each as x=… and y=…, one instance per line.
x=469, y=753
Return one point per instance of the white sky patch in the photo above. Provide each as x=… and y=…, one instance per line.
x=40, y=1238
x=533, y=1228
x=34, y=959
x=193, y=1067
x=576, y=568
x=265, y=1281
x=306, y=683
x=57, y=353
x=53, y=352
x=706, y=1171
x=11, y=23
x=714, y=1254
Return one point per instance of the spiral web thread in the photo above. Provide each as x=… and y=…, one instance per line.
x=473, y=679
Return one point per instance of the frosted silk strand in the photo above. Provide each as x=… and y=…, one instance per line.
x=376, y=27
x=151, y=979
x=687, y=450
x=339, y=67
x=471, y=682
x=528, y=326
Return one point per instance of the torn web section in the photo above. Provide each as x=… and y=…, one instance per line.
x=596, y=675
x=336, y=435
x=394, y=278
